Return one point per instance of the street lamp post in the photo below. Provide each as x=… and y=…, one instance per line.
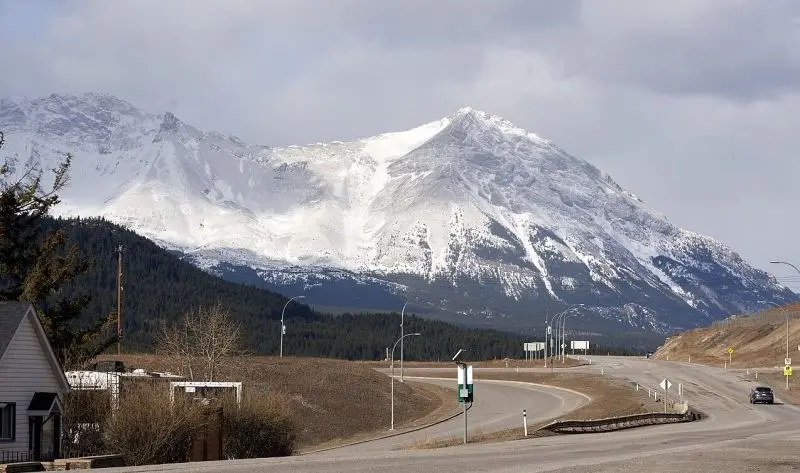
x=549, y=346
x=402, y=314
x=555, y=321
x=548, y=335
x=787, y=313
x=787, y=333
x=546, y=338
x=283, y=327
x=560, y=329
x=564, y=333
x=564, y=338
x=399, y=340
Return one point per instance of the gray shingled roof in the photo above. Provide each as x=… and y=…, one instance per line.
x=11, y=314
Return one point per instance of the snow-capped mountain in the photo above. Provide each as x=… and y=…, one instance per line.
x=468, y=215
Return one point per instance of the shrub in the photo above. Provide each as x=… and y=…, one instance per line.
x=85, y=414
x=148, y=428
x=260, y=427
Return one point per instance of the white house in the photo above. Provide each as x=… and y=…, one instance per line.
x=32, y=385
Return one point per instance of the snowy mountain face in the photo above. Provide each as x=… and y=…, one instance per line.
x=468, y=217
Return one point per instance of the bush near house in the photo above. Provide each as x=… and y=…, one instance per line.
x=260, y=427
x=149, y=428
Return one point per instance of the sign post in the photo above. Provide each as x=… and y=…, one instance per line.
x=548, y=336
x=665, y=385
x=465, y=390
x=464, y=387
x=787, y=371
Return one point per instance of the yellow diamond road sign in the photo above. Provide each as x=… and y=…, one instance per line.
x=729, y=350
x=787, y=370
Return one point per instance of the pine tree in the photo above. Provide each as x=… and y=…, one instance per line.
x=35, y=266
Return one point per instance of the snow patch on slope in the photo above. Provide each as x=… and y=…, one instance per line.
x=468, y=197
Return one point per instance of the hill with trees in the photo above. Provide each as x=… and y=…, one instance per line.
x=158, y=287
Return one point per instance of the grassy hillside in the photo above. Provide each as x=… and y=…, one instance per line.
x=757, y=340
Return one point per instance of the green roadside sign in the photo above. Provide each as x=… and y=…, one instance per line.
x=464, y=385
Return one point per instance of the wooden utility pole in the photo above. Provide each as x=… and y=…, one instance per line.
x=119, y=300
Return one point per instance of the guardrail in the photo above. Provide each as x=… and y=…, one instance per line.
x=618, y=423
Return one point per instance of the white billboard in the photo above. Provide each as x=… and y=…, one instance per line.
x=579, y=344
x=533, y=346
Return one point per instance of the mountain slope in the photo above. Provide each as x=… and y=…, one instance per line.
x=470, y=217
x=159, y=287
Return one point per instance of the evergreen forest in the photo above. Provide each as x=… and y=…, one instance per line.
x=158, y=287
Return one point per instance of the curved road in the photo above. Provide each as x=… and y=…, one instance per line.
x=737, y=436
x=498, y=405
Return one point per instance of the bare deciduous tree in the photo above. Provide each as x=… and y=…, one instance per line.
x=201, y=340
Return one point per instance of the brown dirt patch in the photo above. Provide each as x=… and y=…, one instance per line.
x=332, y=401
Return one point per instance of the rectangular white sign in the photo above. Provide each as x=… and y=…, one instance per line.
x=533, y=346
x=579, y=344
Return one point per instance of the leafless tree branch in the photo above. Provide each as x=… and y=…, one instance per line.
x=201, y=340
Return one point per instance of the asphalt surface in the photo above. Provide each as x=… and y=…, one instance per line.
x=736, y=436
x=498, y=405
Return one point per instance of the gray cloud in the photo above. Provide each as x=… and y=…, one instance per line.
x=742, y=49
x=690, y=104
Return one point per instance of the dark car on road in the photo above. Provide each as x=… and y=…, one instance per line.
x=761, y=394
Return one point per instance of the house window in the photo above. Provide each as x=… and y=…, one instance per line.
x=8, y=414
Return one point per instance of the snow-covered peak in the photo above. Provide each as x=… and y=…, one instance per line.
x=469, y=197
x=468, y=118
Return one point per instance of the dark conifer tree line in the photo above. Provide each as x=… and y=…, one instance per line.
x=159, y=287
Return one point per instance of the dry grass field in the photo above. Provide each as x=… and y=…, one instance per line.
x=500, y=363
x=331, y=401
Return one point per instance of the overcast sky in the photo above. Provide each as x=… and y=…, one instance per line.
x=693, y=105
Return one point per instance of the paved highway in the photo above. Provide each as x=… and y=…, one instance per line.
x=737, y=436
x=498, y=405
